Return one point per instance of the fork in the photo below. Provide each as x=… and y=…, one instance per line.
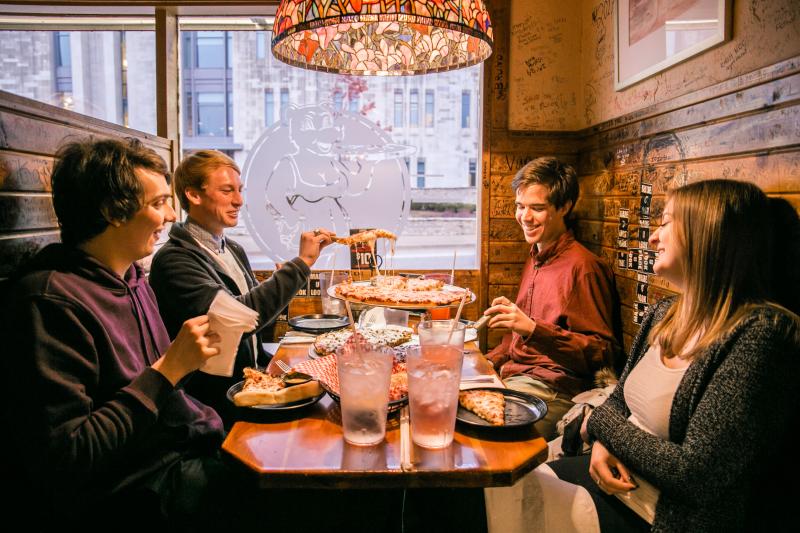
x=292, y=377
x=283, y=366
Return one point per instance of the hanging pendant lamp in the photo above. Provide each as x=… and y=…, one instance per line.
x=382, y=37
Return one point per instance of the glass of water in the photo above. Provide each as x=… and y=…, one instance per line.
x=364, y=375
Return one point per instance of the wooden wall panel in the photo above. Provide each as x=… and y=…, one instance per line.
x=746, y=127
x=30, y=134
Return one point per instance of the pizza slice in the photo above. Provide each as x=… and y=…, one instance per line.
x=263, y=389
x=369, y=236
x=487, y=404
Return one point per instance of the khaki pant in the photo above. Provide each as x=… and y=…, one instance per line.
x=557, y=403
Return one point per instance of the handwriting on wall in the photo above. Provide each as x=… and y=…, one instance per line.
x=543, y=78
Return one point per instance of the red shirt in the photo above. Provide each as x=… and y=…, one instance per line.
x=571, y=295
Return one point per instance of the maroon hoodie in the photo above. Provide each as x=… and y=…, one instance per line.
x=86, y=413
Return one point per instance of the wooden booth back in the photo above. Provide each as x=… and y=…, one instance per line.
x=30, y=134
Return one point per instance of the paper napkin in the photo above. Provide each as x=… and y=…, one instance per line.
x=229, y=318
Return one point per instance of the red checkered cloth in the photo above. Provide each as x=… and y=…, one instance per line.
x=324, y=370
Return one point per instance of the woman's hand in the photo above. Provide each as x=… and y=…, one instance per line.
x=194, y=344
x=508, y=315
x=608, y=472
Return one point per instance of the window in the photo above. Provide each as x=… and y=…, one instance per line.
x=261, y=44
x=188, y=113
x=473, y=171
x=398, y=108
x=413, y=108
x=465, y=101
x=62, y=58
x=46, y=65
x=221, y=97
x=211, y=114
x=269, y=107
x=207, y=87
x=62, y=51
x=429, y=118
x=284, y=100
x=211, y=49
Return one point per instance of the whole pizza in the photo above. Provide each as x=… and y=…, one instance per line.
x=397, y=290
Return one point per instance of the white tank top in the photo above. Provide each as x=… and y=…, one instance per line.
x=649, y=391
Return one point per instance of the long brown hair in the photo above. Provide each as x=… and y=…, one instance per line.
x=725, y=231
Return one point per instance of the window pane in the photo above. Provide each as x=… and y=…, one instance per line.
x=429, y=118
x=465, y=109
x=211, y=49
x=269, y=107
x=261, y=44
x=473, y=172
x=398, y=108
x=38, y=65
x=186, y=49
x=63, y=58
x=420, y=173
x=211, y=114
x=284, y=100
x=413, y=108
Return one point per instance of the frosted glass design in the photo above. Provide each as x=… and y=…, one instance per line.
x=319, y=168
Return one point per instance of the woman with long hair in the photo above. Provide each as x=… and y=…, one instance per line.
x=694, y=435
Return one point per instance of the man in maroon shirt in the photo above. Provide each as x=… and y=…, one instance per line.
x=565, y=316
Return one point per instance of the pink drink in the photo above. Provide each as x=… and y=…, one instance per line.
x=434, y=374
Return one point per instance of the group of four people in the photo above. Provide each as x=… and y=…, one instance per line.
x=106, y=411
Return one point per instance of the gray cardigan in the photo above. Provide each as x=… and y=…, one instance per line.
x=730, y=417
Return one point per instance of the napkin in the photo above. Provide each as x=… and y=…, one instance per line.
x=229, y=318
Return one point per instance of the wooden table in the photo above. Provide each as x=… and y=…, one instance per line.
x=306, y=449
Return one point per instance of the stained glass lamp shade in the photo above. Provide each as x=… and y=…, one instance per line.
x=382, y=37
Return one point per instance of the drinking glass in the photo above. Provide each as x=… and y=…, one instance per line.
x=434, y=374
x=440, y=313
x=364, y=374
x=330, y=305
x=437, y=332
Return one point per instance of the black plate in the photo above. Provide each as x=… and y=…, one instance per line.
x=318, y=323
x=394, y=405
x=521, y=410
x=273, y=407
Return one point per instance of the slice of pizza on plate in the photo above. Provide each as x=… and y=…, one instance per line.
x=260, y=388
x=487, y=404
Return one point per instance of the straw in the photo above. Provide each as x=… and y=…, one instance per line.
x=458, y=315
x=350, y=315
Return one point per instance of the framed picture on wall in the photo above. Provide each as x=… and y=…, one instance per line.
x=653, y=35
